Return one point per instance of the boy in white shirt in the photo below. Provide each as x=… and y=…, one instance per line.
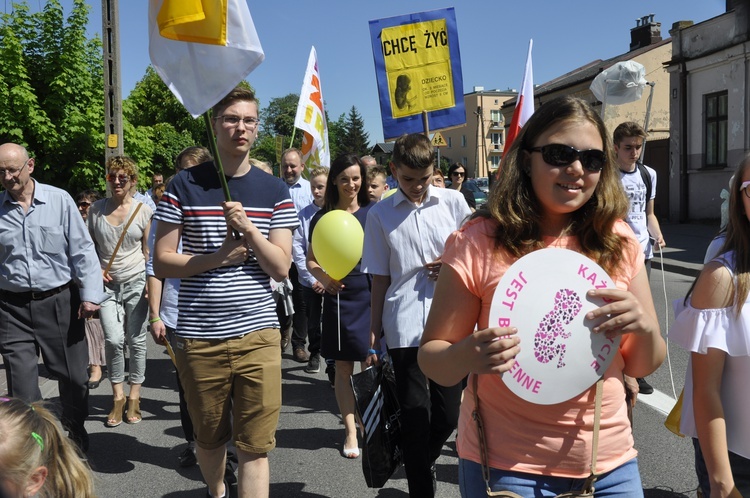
x=312, y=290
x=404, y=238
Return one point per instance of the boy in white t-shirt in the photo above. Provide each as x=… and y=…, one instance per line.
x=641, y=190
x=639, y=182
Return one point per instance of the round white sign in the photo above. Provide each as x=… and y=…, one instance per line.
x=543, y=295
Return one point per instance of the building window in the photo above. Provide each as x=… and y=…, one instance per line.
x=495, y=138
x=715, y=111
x=495, y=117
x=465, y=162
x=495, y=162
x=463, y=140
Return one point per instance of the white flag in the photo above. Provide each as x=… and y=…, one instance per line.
x=311, y=117
x=202, y=49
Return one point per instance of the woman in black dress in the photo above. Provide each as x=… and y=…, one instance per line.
x=347, y=302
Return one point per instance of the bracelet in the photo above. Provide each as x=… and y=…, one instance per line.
x=154, y=320
x=372, y=351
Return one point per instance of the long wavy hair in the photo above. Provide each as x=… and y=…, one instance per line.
x=737, y=238
x=514, y=205
x=339, y=164
x=32, y=437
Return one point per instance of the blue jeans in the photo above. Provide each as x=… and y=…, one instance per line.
x=123, y=317
x=624, y=481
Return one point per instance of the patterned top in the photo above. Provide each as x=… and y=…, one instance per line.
x=232, y=300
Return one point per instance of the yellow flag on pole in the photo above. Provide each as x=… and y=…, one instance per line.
x=202, y=49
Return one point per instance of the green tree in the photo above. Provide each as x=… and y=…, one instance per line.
x=51, y=97
x=336, y=135
x=278, y=117
x=151, y=102
x=156, y=127
x=355, y=139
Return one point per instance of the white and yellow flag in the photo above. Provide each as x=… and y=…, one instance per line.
x=202, y=49
x=311, y=117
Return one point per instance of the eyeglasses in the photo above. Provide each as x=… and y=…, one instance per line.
x=112, y=178
x=231, y=121
x=84, y=204
x=744, y=187
x=13, y=171
x=458, y=173
x=564, y=155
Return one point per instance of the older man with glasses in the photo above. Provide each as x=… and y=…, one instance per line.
x=50, y=282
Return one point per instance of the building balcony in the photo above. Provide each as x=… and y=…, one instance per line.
x=496, y=125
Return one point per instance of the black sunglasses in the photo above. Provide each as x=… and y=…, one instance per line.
x=565, y=155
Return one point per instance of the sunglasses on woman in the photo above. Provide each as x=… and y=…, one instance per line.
x=565, y=155
x=119, y=178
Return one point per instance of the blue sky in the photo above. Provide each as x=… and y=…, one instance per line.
x=493, y=39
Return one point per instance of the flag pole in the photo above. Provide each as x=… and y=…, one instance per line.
x=291, y=142
x=217, y=163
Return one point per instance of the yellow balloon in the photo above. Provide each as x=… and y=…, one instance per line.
x=337, y=242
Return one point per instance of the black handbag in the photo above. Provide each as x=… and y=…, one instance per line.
x=378, y=410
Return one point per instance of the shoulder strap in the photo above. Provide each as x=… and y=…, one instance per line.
x=122, y=237
x=646, y=180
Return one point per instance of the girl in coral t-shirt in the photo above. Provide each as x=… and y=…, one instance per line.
x=559, y=187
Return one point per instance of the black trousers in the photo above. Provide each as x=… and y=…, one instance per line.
x=52, y=326
x=429, y=415
x=299, y=320
x=314, y=310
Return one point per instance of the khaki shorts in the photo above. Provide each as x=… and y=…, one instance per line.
x=233, y=389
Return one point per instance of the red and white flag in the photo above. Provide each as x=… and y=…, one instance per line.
x=311, y=117
x=524, y=104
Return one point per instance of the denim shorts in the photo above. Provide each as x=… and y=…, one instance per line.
x=624, y=481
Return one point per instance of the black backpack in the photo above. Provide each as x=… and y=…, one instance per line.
x=646, y=180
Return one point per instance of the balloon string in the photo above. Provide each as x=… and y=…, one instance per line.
x=338, y=314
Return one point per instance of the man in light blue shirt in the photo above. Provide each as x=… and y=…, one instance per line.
x=299, y=189
x=50, y=280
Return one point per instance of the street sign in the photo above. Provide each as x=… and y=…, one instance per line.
x=438, y=140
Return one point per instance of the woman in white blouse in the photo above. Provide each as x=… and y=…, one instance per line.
x=715, y=328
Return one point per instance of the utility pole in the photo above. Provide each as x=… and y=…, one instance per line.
x=484, y=139
x=478, y=113
x=112, y=85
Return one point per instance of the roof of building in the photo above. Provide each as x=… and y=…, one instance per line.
x=587, y=72
x=383, y=148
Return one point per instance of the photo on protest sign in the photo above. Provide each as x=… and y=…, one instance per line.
x=418, y=68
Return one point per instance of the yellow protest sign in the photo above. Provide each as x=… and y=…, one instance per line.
x=418, y=67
